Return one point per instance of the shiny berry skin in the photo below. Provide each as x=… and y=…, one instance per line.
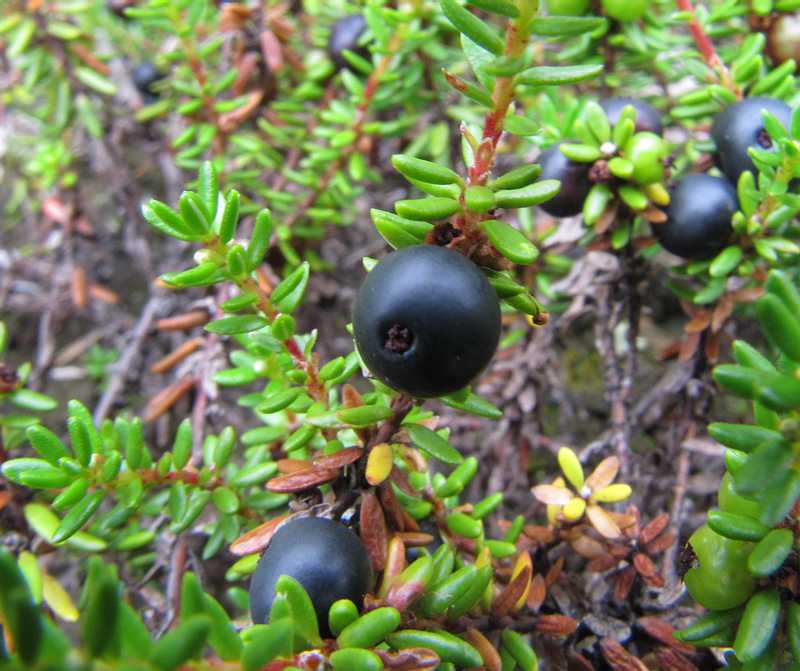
x=731, y=502
x=574, y=178
x=426, y=321
x=625, y=10
x=325, y=557
x=645, y=150
x=344, y=35
x=783, y=38
x=647, y=117
x=698, y=217
x=741, y=126
x=720, y=580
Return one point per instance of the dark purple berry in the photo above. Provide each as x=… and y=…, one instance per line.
x=325, y=557
x=344, y=35
x=426, y=321
x=574, y=178
x=699, y=215
x=741, y=126
x=647, y=117
x=144, y=76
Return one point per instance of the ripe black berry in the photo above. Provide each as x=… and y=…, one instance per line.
x=144, y=76
x=698, y=217
x=426, y=321
x=741, y=126
x=574, y=178
x=325, y=557
x=647, y=117
x=344, y=35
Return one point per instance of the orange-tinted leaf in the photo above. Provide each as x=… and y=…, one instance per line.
x=341, y=458
x=554, y=572
x=588, y=547
x=555, y=625
x=512, y=593
x=301, y=480
x=166, y=398
x=618, y=657
x=287, y=466
x=373, y=530
x=176, y=355
x=399, y=478
x=552, y=495
x=624, y=582
x=721, y=312
x=392, y=508
x=602, y=563
x=644, y=565
x=661, y=543
x=523, y=561
x=256, y=539
x=661, y=631
x=699, y=322
x=624, y=521
x=537, y=593
x=490, y=656
x=689, y=346
x=415, y=539
x=653, y=528
x=5, y=497
x=711, y=349
x=602, y=521
x=539, y=534
x=271, y=49
x=351, y=398
x=656, y=580
x=747, y=295
x=183, y=322
x=604, y=474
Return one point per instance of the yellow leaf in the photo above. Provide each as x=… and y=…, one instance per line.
x=58, y=599
x=611, y=494
x=571, y=467
x=574, y=510
x=379, y=463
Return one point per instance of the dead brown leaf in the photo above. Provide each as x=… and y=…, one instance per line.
x=373, y=530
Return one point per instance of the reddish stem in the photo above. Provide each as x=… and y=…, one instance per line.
x=706, y=47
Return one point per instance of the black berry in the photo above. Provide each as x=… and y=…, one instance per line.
x=426, y=321
x=574, y=178
x=144, y=76
x=647, y=117
x=741, y=126
x=344, y=35
x=699, y=215
x=325, y=557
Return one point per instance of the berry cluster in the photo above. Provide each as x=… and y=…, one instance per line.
x=698, y=207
